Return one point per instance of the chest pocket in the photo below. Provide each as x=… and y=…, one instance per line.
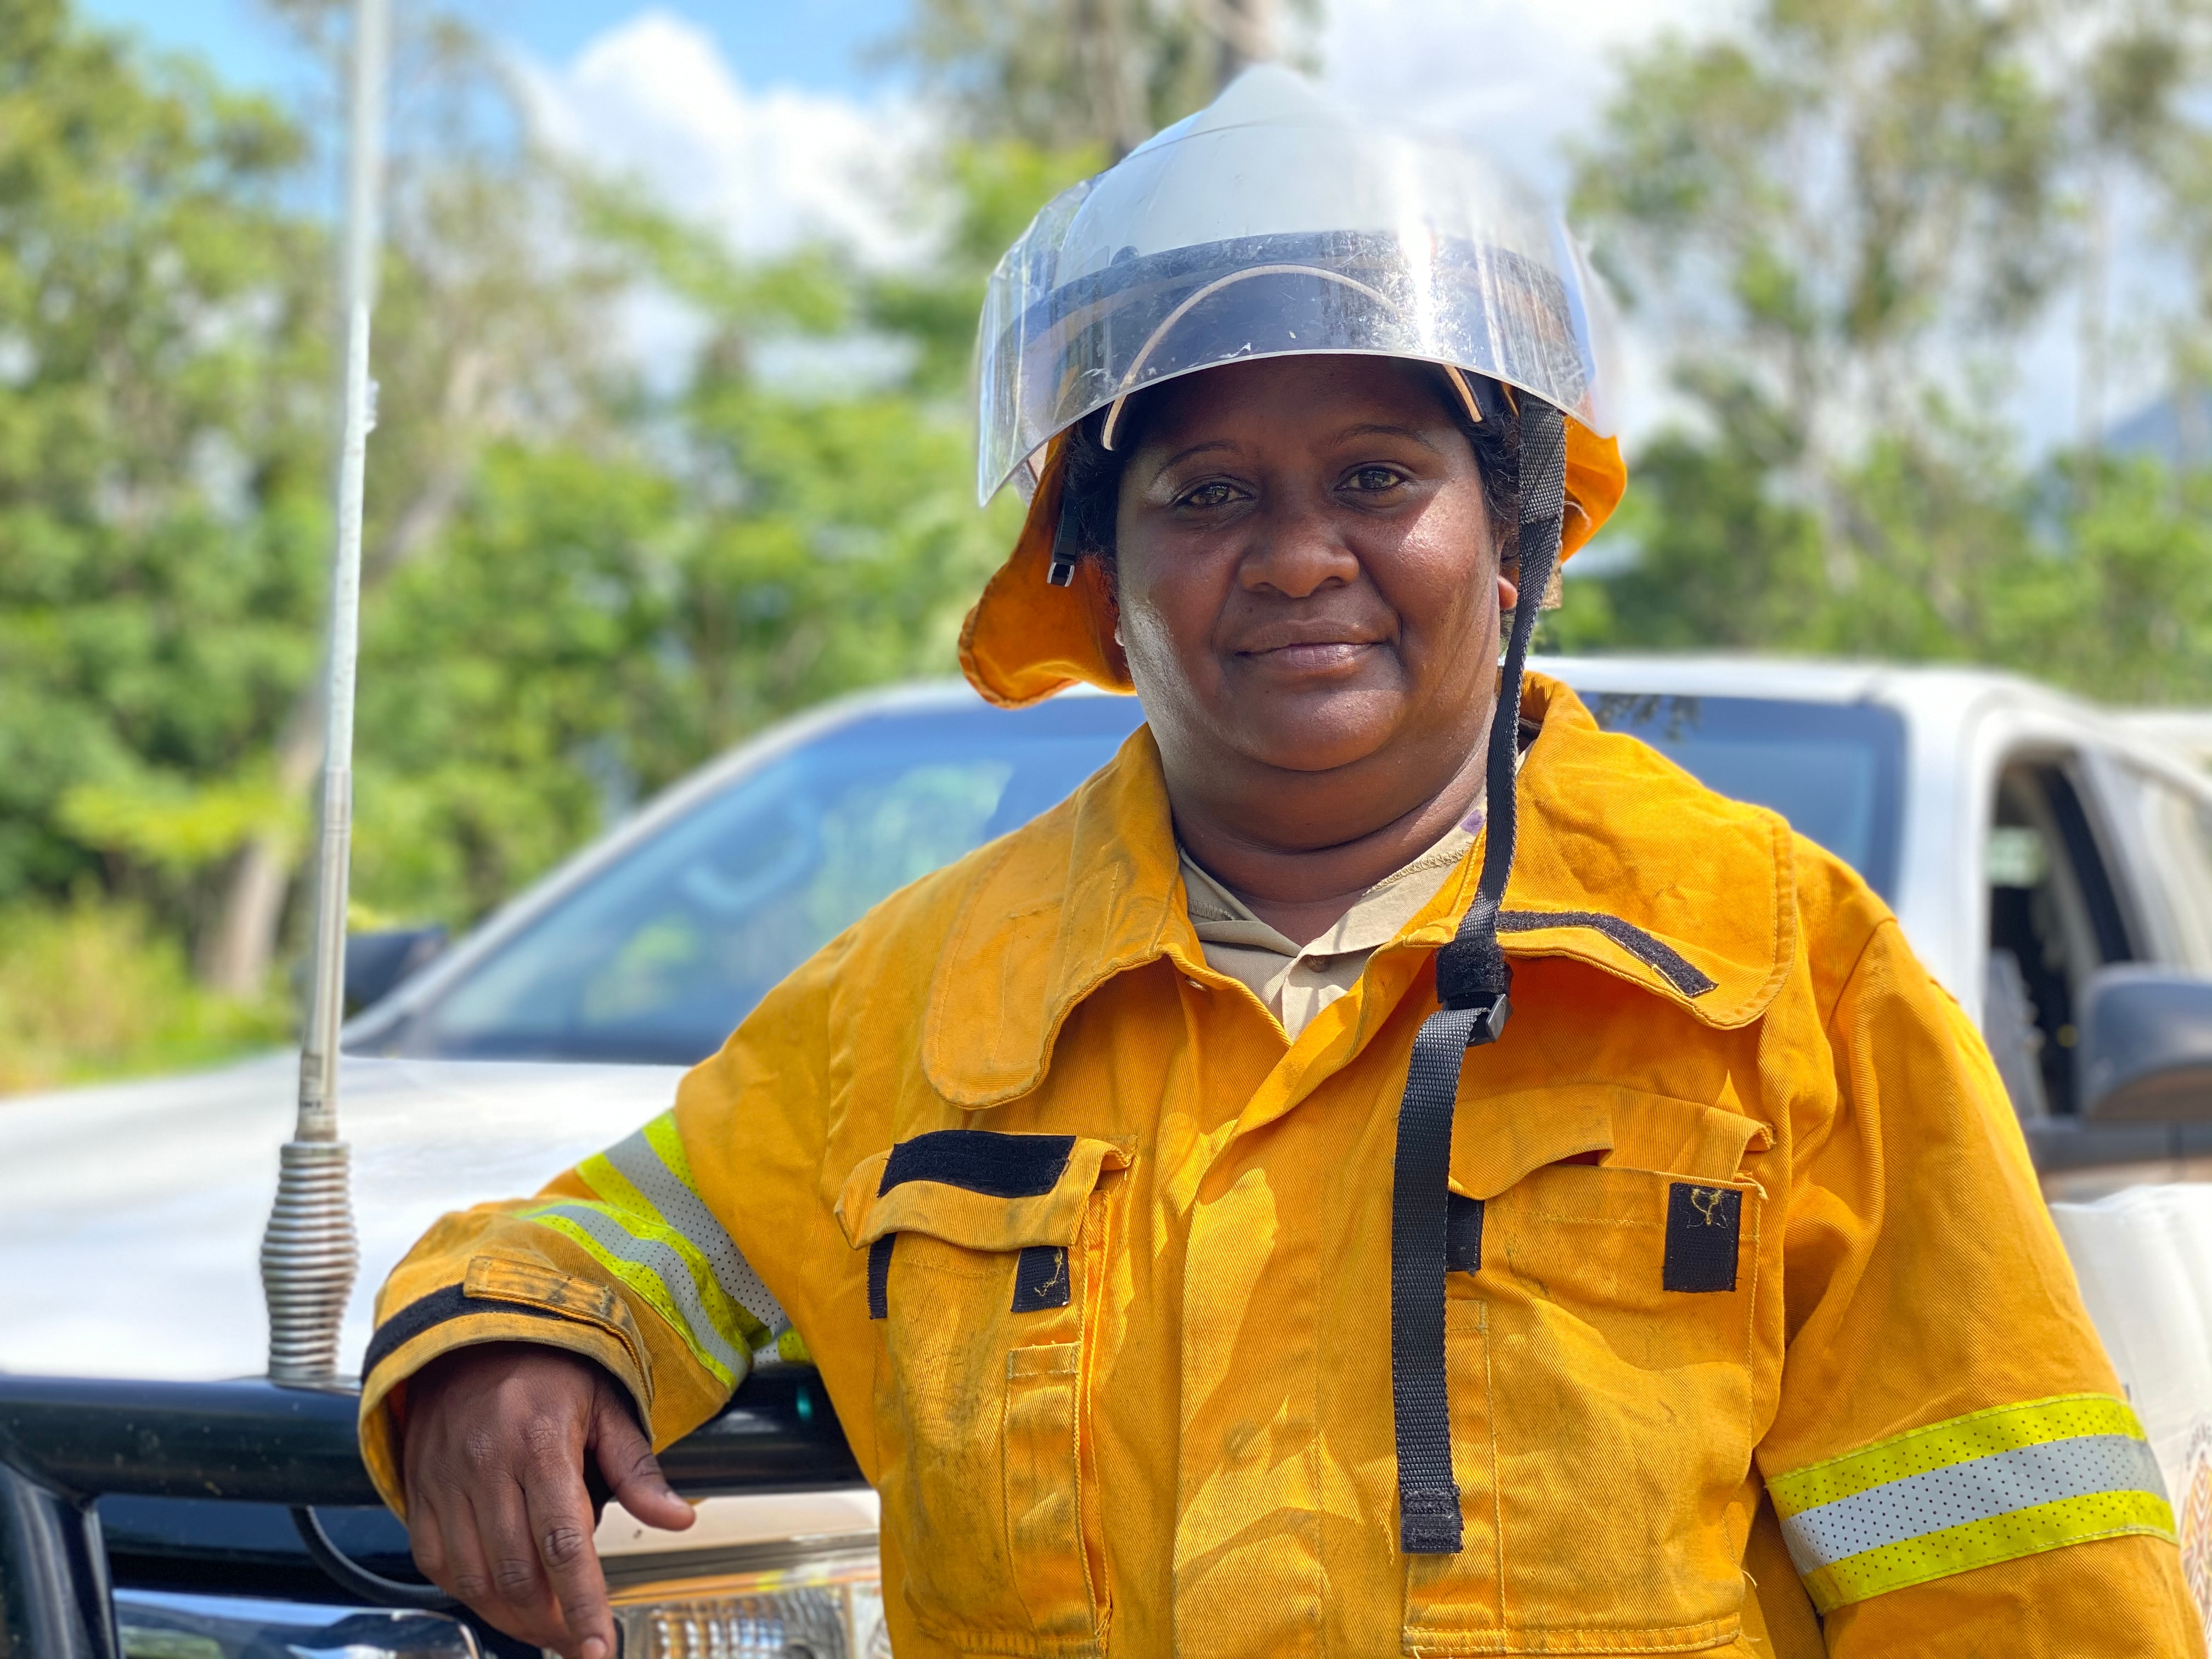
x=984, y=1251
x=1598, y=1337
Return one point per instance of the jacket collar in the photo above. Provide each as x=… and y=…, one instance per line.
x=1607, y=829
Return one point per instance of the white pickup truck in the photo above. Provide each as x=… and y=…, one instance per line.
x=2051, y=863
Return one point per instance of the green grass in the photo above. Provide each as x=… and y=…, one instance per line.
x=88, y=992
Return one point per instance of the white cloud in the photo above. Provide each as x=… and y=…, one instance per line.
x=653, y=99
x=1522, y=80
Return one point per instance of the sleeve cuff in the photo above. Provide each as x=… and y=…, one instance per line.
x=500, y=1301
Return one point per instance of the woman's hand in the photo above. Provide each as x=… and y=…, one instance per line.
x=496, y=1439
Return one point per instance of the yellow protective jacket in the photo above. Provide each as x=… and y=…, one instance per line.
x=1748, y=1264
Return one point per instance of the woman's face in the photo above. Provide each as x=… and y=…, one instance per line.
x=1307, y=572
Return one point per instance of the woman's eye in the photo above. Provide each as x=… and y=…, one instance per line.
x=1209, y=494
x=1375, y=479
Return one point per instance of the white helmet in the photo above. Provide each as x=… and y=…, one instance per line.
x=1275, y=222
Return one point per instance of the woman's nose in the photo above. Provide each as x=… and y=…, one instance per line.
x=1295, y=551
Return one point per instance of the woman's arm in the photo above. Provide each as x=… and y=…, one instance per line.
x=1954, y=1465
x=521, y=1344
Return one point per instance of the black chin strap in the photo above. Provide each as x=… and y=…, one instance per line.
x=1473, y=981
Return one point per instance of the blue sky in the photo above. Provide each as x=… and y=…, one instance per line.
x=814, y=44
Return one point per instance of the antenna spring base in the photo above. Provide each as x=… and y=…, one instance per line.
x=309, y=1259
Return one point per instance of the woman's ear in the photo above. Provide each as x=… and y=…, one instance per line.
x=1508, y=595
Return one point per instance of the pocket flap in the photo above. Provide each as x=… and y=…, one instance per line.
x=1498, y=1140
x=978, y=1188
x=1680, y=1137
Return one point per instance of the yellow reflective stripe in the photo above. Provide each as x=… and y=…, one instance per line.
x=653, y=1162
x=647, y=1285
x=643, y=1218
x=663, y=1136
x=617, y=1189
x=723, y=1362
x=1983, y=1543
x=1959, y=1440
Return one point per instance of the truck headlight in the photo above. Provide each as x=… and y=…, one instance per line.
x=825, y=1606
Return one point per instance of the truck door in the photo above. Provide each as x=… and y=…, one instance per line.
x=2057, y=915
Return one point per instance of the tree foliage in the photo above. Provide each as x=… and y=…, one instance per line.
x=165, y=298
x=1851, y=222
x=162, y=521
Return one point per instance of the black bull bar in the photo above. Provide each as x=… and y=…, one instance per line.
x=65, y=1443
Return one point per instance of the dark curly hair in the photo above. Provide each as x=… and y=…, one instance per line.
x=1092, y=474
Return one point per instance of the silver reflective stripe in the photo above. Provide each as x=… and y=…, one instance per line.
x=1974, y=1490
x=665, y=1265
x=682, y=1209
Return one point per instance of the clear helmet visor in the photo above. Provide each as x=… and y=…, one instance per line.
x=1274, y=223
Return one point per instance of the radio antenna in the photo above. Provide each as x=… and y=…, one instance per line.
x=310, y=1255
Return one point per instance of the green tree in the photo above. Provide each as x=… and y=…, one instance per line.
x=508, y=676
x=162, y=524
x=1087, y=73
x=1063, y=73
x=164, y=301
x=1847, y=212
x=2115, y=597
x=1721, y=561
x=995, y=188
x=1847, y=221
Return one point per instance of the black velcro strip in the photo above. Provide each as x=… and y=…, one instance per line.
x=981, y=1160
x=1462, y=1235
x=1703, y=1224
x=879, y=1277
x=1040, y=1279
x=435, y=1308
x=1677, y=970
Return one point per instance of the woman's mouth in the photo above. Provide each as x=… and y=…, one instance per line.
x=1312, y=656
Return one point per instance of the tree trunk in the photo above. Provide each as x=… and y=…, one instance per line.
x=1105, y=65
x=1246, y=31
x=2094, y=334
x=237, y=951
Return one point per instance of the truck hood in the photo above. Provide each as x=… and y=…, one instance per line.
x=131, y=1216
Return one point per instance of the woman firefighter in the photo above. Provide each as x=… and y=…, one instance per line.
x=1385, y=1167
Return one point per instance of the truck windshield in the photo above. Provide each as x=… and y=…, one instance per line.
x=658, y=956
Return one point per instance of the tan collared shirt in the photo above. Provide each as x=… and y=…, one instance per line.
x=1298, y=981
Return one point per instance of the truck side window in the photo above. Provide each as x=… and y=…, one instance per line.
x=2176, y=829
x=2055, y=919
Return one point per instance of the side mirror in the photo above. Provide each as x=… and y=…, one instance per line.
x=2146, y=1048
x=376, y=963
